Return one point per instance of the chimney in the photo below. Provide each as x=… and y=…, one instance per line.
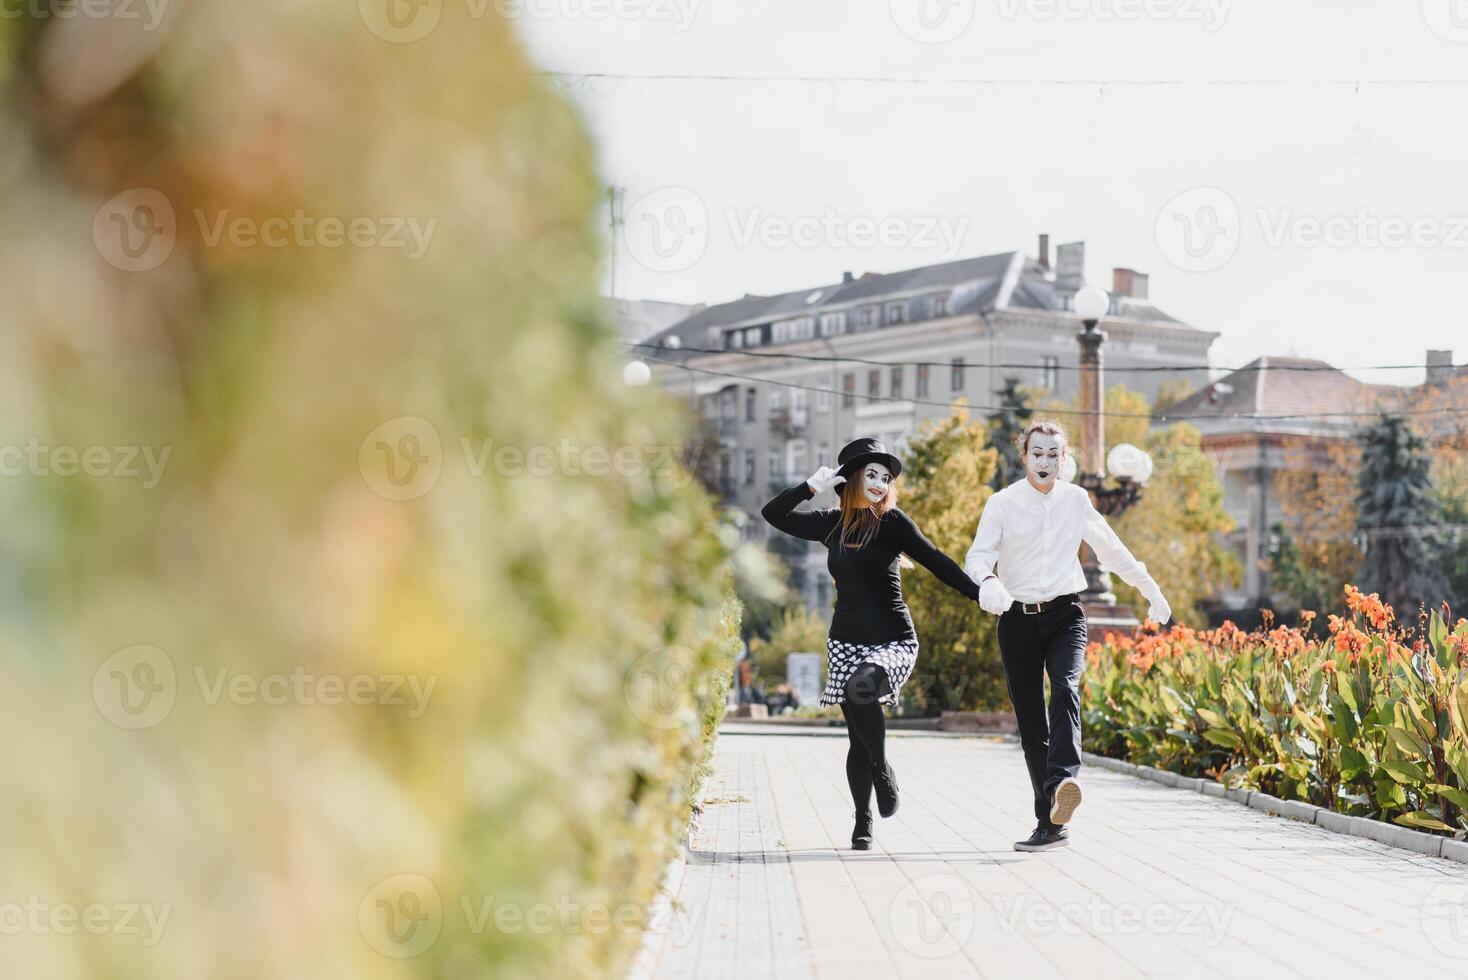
x=1129, y=282
x=1439, y=366
x=1045, y=252
x=847, y=277
x=1070, y=269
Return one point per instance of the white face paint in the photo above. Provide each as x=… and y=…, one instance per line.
x=875, y=479
x=1042, y=461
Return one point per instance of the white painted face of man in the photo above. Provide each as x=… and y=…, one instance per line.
x=1042, y=461
x=875, y=479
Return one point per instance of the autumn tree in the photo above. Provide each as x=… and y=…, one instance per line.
x=1314, y=554
x=946, y=477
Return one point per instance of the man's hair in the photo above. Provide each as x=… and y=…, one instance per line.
x=1048, y=427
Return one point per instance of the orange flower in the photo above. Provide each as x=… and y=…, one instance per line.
x=1307, y=616
x=1328, y=667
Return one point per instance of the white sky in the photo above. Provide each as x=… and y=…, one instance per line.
x=1001, y=164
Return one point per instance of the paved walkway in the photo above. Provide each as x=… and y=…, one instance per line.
x=1159, y=882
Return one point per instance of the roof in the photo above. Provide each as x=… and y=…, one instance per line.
x=636, y=319
x=1272, y=386
x=1007, y=280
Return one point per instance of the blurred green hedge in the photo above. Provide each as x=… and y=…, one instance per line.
x=331, y=504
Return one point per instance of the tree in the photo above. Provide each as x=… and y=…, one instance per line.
x=1399, y=519
x=947, y=474
x=1314, y=554
x=1004, y=428
x=1176, y=526
x=795, y=630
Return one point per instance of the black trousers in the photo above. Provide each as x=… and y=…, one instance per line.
x=1053, y=643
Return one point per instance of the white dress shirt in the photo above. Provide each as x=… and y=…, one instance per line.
x=1032, y=541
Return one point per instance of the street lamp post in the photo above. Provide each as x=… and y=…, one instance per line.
x=1129, y=465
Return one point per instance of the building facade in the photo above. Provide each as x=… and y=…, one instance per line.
x=783, y=382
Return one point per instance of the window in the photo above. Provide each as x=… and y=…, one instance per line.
x=772, y=466
x=955, y=380
x=823, y=400
x=922, y=381
x=896, y=387
x=798, y=402
x=1050, y=373
x=797, y=457
x=728, y=404
x=897, y=312
x=789, y=331
x=751, y=336
x=848, y=390
x=832, y=324
x=939, y=306
x=874, y=384
x=735, y=340
x=749, y=404
x=749, y=466
x=774, y=402
x=866, y=318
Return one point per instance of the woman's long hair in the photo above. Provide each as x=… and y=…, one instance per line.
x=860, y=518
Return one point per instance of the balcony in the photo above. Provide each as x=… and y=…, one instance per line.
x=728, y=430
x=789, y=423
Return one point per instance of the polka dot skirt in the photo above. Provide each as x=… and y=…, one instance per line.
x=842, y=659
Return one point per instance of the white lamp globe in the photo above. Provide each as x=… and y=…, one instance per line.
x=673, y=343
x=636, y=374
x=1128, y=462
x=1092, y=303
x=1068, y=468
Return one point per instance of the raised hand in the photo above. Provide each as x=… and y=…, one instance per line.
x=824, y=479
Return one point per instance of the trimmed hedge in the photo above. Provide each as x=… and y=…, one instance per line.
x=1361, y=718
x=574, y=625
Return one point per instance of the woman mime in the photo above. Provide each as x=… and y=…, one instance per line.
x=871, y=647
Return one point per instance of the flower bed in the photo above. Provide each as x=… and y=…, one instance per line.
x=1360, y=718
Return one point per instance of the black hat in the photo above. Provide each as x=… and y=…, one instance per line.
x=863, y=451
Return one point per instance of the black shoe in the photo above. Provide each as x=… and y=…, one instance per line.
x=861, y=834
x=884, y=781
x=1064, y=800
x=1044, y=839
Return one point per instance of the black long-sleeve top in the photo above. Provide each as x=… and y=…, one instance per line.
x=869, y=605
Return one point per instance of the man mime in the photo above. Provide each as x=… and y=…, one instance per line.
x=1026, y=559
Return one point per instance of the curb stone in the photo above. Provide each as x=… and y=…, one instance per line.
x=1393, y=835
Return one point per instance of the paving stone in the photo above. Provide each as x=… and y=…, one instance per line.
x=1158, y=882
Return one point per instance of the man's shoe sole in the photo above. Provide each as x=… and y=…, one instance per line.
x=1067, y=799
x=861, y=845
x=1021, y=846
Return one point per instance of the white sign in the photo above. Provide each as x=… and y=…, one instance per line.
x=803, y=674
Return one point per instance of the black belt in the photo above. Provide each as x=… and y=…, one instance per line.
x=1035, y=608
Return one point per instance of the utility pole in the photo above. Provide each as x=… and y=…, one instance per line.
x=616, y=219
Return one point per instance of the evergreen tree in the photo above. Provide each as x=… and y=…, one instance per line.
x=1004, y=428
x=1398, y=517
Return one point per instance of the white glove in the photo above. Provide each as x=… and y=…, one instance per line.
x=1158, y=610
x=994, y=597
x=824, y=479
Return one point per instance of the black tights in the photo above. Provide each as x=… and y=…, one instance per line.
x=866, y=729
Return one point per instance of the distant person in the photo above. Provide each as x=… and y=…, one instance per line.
x=872, y=646
x=1030, y=533
x=783, y=699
